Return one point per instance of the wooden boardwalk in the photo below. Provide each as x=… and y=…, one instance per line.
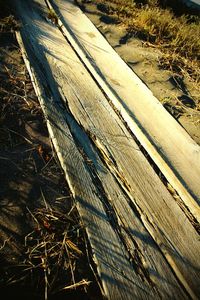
x=98, y=113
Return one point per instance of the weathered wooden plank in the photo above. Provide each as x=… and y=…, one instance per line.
x=119, y=279
x=171, y=148
x=62, y=68
x=107, y=249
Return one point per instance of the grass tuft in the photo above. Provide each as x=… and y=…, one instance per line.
x=176, y=36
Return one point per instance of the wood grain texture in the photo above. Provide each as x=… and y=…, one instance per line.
x=168, y=144
x=116, y=189
x=109, y=253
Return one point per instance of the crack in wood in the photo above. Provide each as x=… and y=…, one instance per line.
x=133, y=255
x=108, y=160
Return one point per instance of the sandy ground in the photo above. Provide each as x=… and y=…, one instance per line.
x=179, y=95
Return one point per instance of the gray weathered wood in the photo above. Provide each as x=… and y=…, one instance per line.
x=104, y=188
x=168, y=144
x=109, y=252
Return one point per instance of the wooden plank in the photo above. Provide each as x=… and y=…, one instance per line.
x=119, y=279
x=66, y=69
x=168, y=144
x=108, y=251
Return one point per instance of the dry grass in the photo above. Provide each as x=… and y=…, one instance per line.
x=17, y=97
x=53, y=250
x=7, y=21
x=175, y=36
x=8, y=24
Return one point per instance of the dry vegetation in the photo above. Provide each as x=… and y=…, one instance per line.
x=176, y=36
x=53, y=250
